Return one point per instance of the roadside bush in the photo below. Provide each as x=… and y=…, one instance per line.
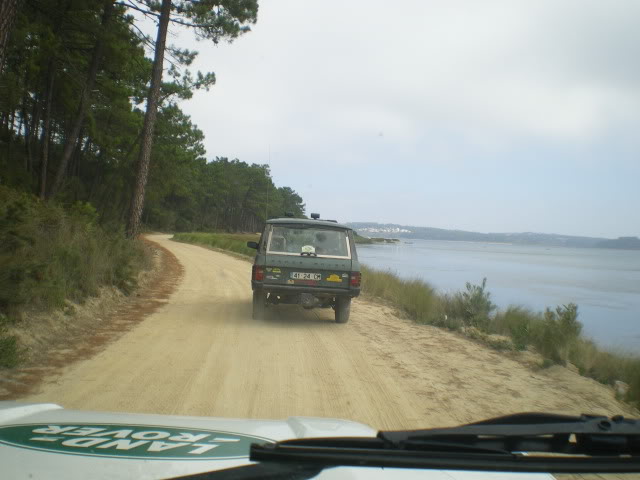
x=415, y=297
x=477, y=305
x=517, y=323
x=604, y=366
x=450, y=311
x=418, y=299
x=557, y=333
x=49, y=254
x=9, y=355
x=633, y=395
x=469, y=308
x=445, y=313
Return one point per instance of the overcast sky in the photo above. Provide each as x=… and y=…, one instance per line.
x=491, y=116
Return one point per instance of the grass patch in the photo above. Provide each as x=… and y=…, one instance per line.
x=234, y=242
x=415, y=297
x=49, y=254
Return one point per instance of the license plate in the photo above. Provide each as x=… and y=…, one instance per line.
x=306, y=276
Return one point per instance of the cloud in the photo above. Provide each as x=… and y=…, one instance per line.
x=416, y=85
x=505, y=69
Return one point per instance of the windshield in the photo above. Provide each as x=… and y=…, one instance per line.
x=321, y=242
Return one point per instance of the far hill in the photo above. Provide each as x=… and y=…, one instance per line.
x=626, y=243
x=372, y=229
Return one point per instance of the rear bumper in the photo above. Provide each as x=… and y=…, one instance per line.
x=297, y=289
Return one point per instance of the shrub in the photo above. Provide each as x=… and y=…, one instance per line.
x=477, y=305
x=49, y=254
x=9, y=355
x=633, y=395
x=558, y=331
x=414, y=296
x=470, y=308
x=517, y=323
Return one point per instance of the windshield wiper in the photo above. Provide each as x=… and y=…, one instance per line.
x=529, y=442
x=259, y=471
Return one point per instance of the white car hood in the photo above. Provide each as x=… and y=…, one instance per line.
x=46, y=441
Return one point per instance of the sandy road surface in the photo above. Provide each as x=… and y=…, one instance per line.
x=202, y=354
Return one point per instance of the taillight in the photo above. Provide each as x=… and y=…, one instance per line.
x=258, y=273
x=355, y=279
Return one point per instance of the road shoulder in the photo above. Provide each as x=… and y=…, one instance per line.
x=58, y=339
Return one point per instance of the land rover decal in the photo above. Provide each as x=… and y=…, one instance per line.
x=129, y=441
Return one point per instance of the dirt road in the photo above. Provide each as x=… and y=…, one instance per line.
x=202, y=354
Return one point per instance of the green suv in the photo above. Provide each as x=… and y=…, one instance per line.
x=307, y=262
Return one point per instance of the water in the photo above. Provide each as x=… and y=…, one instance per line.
x=605, y=284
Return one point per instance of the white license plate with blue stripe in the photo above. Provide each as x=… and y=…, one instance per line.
x=306, y=276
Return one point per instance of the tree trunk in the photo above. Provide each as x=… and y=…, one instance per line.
x=83, y=151
x=20, y=124
x=10, y=132
x=34, y=130
x=27, y=135
x=8, y=10
x=75, y=157
x=46, y=126
x=137, y=199
x=72, y=138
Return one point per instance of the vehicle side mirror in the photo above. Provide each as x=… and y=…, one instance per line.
x=252, y=245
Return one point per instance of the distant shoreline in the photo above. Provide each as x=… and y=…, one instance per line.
x=405, y=233
x=411, y=240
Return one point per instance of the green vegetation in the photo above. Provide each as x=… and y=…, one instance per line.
x=226, y=241
x=83, y=63
x=9, y=352
x=384, y=240
x=360, y=240
x=555, y=334
x=75, y=80
x=49, y=254
x=368, y=241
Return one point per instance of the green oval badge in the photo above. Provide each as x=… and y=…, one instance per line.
x=130, y=441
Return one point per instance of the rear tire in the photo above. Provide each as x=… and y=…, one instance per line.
x=259, y=303
x=343, y=308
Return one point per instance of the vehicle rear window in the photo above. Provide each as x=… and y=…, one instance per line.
x=321, y=242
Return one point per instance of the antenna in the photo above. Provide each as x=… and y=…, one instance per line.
x=266, y=206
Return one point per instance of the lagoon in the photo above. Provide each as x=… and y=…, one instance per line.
x=605, y=284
